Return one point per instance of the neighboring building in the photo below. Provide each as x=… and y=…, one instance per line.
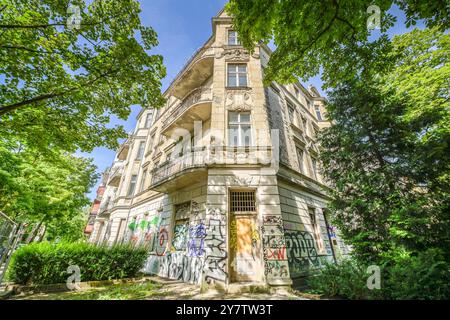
x=223, y=184
x=95, y=208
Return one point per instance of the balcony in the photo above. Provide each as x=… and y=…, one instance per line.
x=192, y=167
x=116, y=174
x=124, y=148
x=195, y=72
x=195, y=106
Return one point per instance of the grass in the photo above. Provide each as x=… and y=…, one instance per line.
x=124, y=291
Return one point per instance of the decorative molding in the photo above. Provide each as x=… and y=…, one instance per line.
x=235, y=54
x=238, y=100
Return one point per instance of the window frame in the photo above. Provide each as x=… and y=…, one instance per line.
x=239, y=124
x=140, y=151
x=237, y=74
x=131, y=190
x=318, y=112
x=148, y=123
x=235, y=37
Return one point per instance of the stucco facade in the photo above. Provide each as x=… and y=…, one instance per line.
x=222, y=184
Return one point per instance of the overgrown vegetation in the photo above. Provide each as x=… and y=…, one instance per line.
x=387, y=154
x=424, y=276
x=47, y=263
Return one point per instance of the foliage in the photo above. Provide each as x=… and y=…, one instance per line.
x=45, y=192
x=387, y=154
x=346, y=279
x=67, y=230
x=312, y=36
x=46, y=263
x=60, y=85
x=424, y=276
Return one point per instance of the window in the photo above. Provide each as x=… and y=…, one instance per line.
x=239, y=129
x=242, y=201
x=318, y=113
x=132, y=185
x=305, y=125
x=121, y=231
x=140, y=152
x=237, y=75
x=292, y=114
x=233, y=38
x=148, y=119
x=316, y=230
x=300, y=158
x=144, y=176
x=314, y=167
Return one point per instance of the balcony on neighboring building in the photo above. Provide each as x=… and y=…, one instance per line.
x=116, y=174
x=192, y=166
x=124, y=148
x=196, y=106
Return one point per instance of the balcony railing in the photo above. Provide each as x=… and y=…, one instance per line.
x=197, y=95
x=212, y=156
x=116, y=174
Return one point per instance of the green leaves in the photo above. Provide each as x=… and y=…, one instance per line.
x=46, y=263
x=387, y=152
x=311, y=36
x=60, y=86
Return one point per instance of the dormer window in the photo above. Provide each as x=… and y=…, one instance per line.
x=233, y=38
x=318, y=113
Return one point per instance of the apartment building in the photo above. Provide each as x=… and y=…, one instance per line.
x=222, y=184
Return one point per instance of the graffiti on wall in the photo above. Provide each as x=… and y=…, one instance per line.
x=176, y=266
x=274, y=247
x=196, y=244
x=161, y=242
x=216, y=254
x=180, y=233
x=301, y=252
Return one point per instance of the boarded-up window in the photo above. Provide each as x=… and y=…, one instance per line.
x=316, y=229
x=242, y=201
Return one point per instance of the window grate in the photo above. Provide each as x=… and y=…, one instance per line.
x=242, y=201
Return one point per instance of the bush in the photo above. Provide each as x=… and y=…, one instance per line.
x=346, y=279
x=46, y=263
x=423, y=276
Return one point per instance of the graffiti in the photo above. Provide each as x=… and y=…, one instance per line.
x=273, y=241
x=176, y=266
x=180, y=237
x=301, y=251
x=195, y=208
x=216, y=254
x=197, y=236
x=272, y=220
x=233, y=235
x=276, y=269
x=272, y=229
x=275, y=253
x=162, y=242
x=332, y=231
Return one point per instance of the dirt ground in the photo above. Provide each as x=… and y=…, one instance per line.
x=155, y=288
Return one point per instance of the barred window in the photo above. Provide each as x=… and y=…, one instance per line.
x=242, y=201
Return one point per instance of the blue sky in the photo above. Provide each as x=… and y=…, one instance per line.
x=182, y=27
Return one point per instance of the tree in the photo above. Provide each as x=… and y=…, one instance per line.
x=66, y=67
x=49, y=194
x=387, y=153
x=308, y=35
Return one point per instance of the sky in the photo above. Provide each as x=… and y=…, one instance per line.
x=183, y=27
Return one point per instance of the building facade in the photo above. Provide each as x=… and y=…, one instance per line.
x=222, y=184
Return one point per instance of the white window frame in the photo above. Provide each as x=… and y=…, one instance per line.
x=235, y=37
x=237, y=73
x=148, y=120
x=318, y=112
x=140, y=151
x=132, y=185
x=239, y=124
